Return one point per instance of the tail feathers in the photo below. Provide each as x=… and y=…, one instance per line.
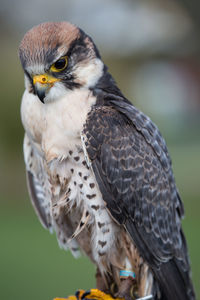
x=172, y=274
x=174, y=284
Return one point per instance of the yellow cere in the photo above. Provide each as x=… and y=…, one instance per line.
x=59, y=65
x=45, y=79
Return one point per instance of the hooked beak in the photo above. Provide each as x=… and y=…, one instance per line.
x=42, y=84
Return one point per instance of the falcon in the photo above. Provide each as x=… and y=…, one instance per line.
x=98, y=170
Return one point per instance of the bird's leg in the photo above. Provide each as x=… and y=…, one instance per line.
x=126, y=288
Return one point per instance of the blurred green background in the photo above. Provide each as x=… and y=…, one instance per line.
x=152, y=49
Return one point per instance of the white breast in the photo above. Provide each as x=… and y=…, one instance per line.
x=54, y=130
x=56, y=126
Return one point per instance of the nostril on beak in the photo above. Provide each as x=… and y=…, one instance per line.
x=44, y=80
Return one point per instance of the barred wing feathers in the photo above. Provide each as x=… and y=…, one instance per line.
x=133, y=170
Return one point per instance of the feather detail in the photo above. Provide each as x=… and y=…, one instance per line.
x=38, y=185
x=133, y=170
x=83, y=222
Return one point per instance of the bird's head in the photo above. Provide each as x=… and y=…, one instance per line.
x=58, y=57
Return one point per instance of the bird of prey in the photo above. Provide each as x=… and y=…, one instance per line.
x=98, y=170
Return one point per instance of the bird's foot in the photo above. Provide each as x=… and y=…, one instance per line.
x=91, y=294
x=128, y=289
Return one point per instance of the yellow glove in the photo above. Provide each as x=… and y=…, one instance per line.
x=98, y=295
x=91, y=294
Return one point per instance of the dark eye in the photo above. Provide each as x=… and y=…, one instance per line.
x=59, y=65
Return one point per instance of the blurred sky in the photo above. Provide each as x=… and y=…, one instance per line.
x=152, y=49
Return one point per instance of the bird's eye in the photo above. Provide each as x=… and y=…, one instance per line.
x=59, y=65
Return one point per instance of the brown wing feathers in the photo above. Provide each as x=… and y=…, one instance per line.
x=132, y=167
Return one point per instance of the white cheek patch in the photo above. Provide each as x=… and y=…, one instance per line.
x=89, y=74
x=58, y=90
